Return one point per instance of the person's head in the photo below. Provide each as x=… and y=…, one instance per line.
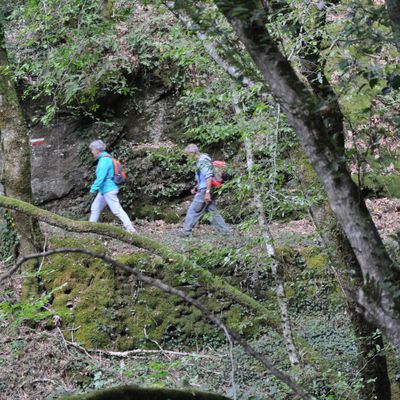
x=97, y=147
x=192, y=151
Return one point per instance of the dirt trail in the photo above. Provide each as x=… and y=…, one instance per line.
x=385, y=213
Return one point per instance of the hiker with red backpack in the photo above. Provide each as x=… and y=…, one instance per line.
x=206, y=179
x=109, y=175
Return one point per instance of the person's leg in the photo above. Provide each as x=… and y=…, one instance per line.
x=216, y=218
x=112, y=201
x=97, y=207
x=196, y=209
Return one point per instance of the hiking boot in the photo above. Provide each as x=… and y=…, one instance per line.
x=184, y=235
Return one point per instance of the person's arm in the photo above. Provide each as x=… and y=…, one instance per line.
x=101, y=174
x=207, y=197
x=207, y=173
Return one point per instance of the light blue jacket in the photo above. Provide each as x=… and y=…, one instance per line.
x=204, y=171
x=104, y=175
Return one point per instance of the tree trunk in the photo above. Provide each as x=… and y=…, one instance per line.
x=372, y=370
x=305, y=114
x=393, y=9
x=16, y=173
x=372, y=362
x=275, y=267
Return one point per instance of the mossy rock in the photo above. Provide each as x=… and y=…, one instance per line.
x=82, y=290
x=105, y=308
x=314, y=258
x=306, y=276
x=138, y=393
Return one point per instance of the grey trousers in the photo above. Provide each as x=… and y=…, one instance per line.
x=111, y=200
x=198, y=208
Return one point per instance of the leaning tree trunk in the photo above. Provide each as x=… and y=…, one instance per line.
x=16, y=173
x=373, y=369
x=371, y=351
x=376, y=298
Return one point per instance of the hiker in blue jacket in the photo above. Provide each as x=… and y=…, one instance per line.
x=202, y=201
x=106, y=189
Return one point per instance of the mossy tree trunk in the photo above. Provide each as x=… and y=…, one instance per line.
x=139, y=393
x=16, y=173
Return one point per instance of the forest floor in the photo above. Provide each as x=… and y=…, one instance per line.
x=41, y=364
x=385, y=213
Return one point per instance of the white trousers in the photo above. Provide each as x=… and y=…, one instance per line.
x=111, y=200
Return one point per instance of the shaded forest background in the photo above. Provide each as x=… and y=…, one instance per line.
x=148, y=77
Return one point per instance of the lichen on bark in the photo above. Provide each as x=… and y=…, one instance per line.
x=16, y=173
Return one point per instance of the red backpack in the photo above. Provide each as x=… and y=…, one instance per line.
x=119, y=177
x=218, y=168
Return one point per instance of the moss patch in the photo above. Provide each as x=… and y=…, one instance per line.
x=83, y=290
x=103, y=308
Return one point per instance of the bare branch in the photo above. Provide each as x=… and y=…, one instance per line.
x=275, y=267
x=203, y=275
x=263, y=359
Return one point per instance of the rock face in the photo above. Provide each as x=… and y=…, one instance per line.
x=56, y=165
x=61, y=164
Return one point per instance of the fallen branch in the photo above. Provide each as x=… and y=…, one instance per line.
x=139, y=241
x=128, y=353
x=135, y=352
x=263, y=359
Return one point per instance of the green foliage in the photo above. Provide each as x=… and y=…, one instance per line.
x=25, y=312
x=160, y=174
x=69, y=53
x=9, y=238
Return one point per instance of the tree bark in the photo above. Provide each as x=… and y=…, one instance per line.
x=373, y=370
x=305, y=115
x=393, y=9
x=275, y=266
x=16, y=173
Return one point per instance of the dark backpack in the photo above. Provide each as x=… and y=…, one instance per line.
x=119, y=177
